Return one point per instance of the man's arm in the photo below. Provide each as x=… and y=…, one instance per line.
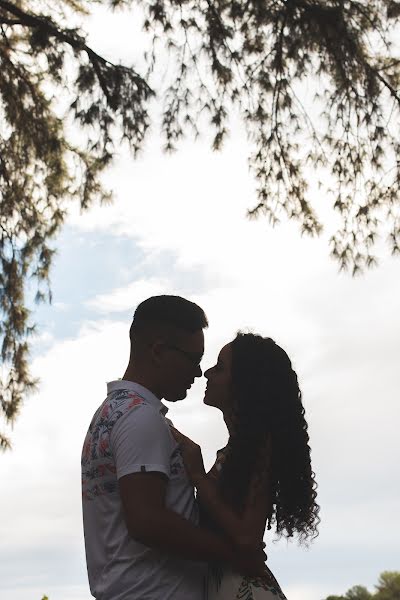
x=151, y=523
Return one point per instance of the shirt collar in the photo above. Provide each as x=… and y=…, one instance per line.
x=124, y=384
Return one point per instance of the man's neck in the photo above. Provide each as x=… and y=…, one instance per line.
x=134, y=375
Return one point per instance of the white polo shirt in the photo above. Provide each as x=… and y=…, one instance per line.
x=130, y=433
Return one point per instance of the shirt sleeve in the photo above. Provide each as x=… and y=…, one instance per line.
x=140, y=442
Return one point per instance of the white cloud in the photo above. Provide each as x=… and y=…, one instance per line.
x=167, y=205
x=128, y=297
x=61, y=306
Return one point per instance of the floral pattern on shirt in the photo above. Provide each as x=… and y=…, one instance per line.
x=98, y=469
x=177, y=465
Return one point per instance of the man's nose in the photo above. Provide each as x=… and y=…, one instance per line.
x=199, y=372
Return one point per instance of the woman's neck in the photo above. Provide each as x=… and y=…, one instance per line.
x=229, y=423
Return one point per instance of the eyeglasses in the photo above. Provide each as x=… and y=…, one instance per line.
x=195, y=359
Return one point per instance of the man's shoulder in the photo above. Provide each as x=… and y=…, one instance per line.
x=124, y=399
x=117, y=404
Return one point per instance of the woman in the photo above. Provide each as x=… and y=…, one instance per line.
x=263, y=477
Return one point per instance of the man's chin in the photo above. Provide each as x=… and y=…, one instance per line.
x=176, y=397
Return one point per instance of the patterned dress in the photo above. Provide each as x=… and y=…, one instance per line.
x=225, y=584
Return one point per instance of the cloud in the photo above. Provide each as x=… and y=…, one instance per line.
x=128, y=297
x=199, y=220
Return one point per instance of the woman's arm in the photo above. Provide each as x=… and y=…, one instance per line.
x=245, y=529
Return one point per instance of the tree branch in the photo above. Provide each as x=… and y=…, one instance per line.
x=69, y=36
x=391, y=89
x=6, y=21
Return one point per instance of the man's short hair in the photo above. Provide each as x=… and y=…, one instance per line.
x=160, y=312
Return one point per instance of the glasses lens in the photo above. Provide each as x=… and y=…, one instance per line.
x=193, y=358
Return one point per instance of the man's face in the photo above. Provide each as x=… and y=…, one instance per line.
x=180, y=363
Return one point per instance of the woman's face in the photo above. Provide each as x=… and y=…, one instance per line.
x=219, y=383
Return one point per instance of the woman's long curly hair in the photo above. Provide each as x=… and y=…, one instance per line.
x=270, y=434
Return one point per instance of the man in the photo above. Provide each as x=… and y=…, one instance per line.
x=139, y=512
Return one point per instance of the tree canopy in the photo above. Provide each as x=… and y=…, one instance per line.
x=258, y=58
x=387, y=588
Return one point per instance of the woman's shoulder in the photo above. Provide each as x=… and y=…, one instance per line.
x=217, y=466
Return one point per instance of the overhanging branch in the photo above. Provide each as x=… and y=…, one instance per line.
x=68, y=36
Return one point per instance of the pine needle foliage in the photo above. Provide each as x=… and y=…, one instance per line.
x=254, y=58
x=41, y=169
x=258, y=57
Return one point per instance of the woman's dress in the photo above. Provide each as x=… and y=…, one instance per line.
x=224, y=584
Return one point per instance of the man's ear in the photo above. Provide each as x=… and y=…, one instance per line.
x=157, y=351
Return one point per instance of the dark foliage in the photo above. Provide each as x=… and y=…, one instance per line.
x=255, y=58
x=41, y=169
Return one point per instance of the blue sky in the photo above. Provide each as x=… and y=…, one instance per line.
x=178, y=226
x=84, y=267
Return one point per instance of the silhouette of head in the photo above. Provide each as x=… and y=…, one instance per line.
x=167, y=343
x=254, y=384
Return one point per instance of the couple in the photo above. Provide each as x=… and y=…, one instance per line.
x=147, y=536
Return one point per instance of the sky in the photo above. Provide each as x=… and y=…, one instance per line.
x=178, y=226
